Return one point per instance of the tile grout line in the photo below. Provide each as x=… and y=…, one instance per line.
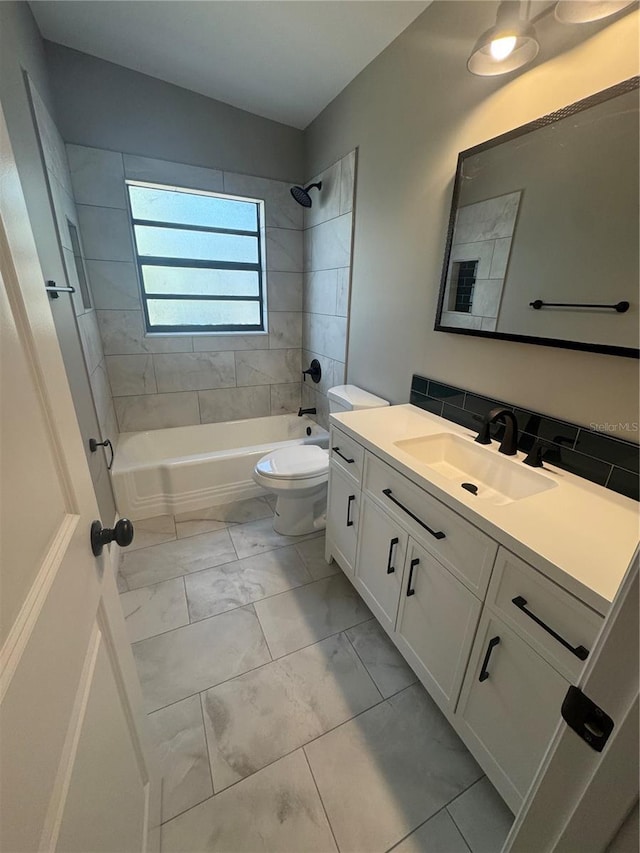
x=324, y=808
x=206, y=742
x=355, y=651
x=468, y=788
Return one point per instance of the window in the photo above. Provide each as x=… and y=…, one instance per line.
x=199, y=258
x=464, y=277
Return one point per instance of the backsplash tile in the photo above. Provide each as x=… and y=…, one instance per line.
x=607, y=461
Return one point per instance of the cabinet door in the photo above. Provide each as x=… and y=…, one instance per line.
x=383, y=544
x=509, y=707
x=436, y=623
x=343, y=512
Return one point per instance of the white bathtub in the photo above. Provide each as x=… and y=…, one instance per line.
x=168, y=471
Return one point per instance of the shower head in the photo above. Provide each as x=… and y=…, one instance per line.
x=301, y=194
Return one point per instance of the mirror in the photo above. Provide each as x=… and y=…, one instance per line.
x=543, y=235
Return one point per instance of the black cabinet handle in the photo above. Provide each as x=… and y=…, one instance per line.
x=342, y=456
x=390, y=568
x=578, y=651
x=437, y=534
x=349, y=502
x=484, y=674
x=414, y=563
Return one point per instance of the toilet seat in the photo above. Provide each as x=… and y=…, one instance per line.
x=299, y=462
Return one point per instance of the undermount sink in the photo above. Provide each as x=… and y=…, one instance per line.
x=497, y=479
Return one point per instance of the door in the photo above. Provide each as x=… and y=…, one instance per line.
x=76, y=770
x=509, y=706
x=383, y=544
x=343, y=512
x=436, y=624
x=581, y=797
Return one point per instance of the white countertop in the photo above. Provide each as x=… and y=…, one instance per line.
x=580, y=535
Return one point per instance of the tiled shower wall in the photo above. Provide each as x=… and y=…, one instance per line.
x=166, y=381
x=328, y=226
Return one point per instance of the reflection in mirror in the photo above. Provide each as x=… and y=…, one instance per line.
x=543, y=236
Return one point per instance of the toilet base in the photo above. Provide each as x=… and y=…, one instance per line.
x=295, y=516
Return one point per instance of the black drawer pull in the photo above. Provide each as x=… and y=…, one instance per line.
x=484, y=674
x=414, y=563
x=578, y=651
x=349, y=502
x=342, y=456
x=437, y=534
x=392, y=544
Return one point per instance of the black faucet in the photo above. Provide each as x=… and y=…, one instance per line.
x=302, y=412
x=509, y=443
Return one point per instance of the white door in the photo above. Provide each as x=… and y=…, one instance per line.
x=75, y=766
x=437, y=620
x=343, y=513
x=580, y=797
x=380, y=564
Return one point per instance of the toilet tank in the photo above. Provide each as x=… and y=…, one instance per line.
x=350, y=398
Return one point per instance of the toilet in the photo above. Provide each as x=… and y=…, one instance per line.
x=298, y=475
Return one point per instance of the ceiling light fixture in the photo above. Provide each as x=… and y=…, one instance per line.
x=585, y=11
x=507, y=46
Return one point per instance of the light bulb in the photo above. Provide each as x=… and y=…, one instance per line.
x=502, y=47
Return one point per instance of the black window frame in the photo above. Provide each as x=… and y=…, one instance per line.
x=194, y=263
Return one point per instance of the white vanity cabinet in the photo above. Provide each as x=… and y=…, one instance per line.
x=495, y=642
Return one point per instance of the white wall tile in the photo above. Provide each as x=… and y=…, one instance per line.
x=500, y=258
x=460, y=320
x=90, y=339
x=284, y=291
x=285, y=330
x=101, y=397
x=325, y=335
x=228, y=343
x=268, y=367
x=285, y=398
x=280, y=208
x=325, y=202
x=481, y=251
x=114, y=284
x=320, y=289
x=194, y=371
x=157, y=411
x=487, y=220
x=328, y=245
x=231, y=404
x=339, y=373
x=177, y=174
x=122, y=333
x=347, y=182
x=284, y=250
x=486, y=297
x=97, y=176
x=53, y=146
x=131, y=374
x=342, y=292
x=106, y=233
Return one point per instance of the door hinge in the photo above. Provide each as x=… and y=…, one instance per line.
x=586, y=718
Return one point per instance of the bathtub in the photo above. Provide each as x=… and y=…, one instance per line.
x=169, y=471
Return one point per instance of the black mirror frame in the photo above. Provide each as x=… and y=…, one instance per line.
x=613, y=91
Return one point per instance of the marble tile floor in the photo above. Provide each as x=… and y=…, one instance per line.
x=285, y=718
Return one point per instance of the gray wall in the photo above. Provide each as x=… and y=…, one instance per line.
x=410, y=112
x=103, y=105
x=21, y=49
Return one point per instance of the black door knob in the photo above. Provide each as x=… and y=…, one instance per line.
x=122, y=533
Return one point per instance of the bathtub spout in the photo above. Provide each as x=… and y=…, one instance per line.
x=302, y=412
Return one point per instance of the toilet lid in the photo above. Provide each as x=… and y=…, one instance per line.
x=294, y=463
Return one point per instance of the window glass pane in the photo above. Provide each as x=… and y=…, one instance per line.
x=202, y=282
x=195, y=245
x=186, y=208
x=175, y=312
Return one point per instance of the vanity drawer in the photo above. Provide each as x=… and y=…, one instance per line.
x=466, y=551
x=560, y=627
x=346, y=453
